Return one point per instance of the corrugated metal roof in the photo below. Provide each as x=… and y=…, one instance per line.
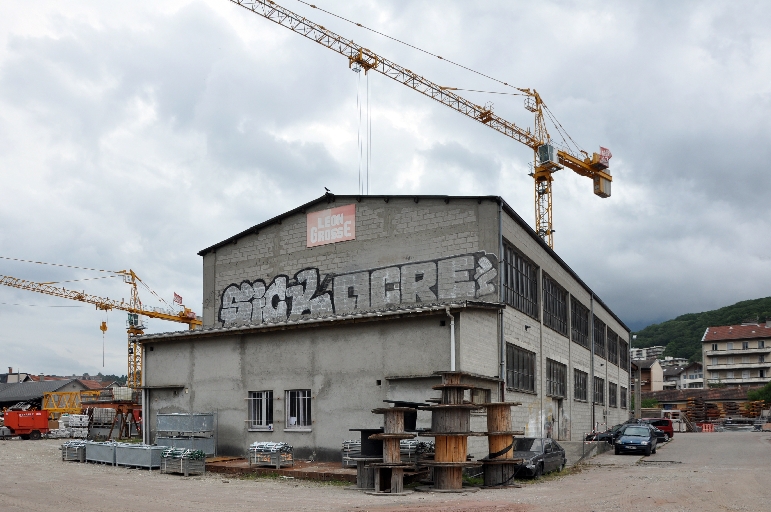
x=19, y=392
x=737, y=332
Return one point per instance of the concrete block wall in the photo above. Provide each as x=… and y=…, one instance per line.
x=387, y=233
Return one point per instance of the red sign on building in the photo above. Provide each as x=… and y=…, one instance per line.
x=331, y=226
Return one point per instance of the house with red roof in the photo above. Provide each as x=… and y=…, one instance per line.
x=737, y=355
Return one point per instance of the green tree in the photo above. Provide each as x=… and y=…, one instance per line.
x=763, y=393
x=649, y=403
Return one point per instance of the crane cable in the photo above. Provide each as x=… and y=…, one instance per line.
x=551, y=116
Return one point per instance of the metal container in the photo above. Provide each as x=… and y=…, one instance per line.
x=186, y=423
x=275, y=459
x=205, y=444
x=103, y=453
x=183, y=466
x=74, y=451
x=138, y=455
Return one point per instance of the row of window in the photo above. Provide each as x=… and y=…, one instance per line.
x=745, y=345
x=297, y=410
x=521, y=376
x=746, y=374
x=730, y=359
x=520, y=290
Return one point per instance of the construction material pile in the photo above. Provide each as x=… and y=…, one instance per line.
x=74, y=451
x=696, y=409
x=412, y=449
x=71, y=425
x=753, y=409
x=268, y=447
x=731, y=409
x=183, y=453
x=350, y=450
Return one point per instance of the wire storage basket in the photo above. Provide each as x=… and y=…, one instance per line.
x=74, y=451
x=271, y=454
x=182, y=461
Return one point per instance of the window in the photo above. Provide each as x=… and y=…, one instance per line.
x=579, y=323
x=612, y=394
x=762, y=374
x=555, y=305
x=745, y=359
x=579, y=385
x=520, y=282
x=745, y=345
x=623, y=354
x=729, y=375
x=612, y=347
x=260, y=410
x=762, y=358
x=623, y=397
x=556, y=374
x=730, y=359
x=714, y=360
x=298, y=409
x=729, y=346
x=761, y=344
x=714, y=346
x=714, y=375
x=599, y=337
x=520, y=369
x=745, y=374
x=599, y=391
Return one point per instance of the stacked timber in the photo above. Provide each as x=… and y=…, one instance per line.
x=731, y=409
x=712, y=412
x=753, y=409
x=696, y=409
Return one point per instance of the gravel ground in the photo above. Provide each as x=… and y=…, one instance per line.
x=704, y=472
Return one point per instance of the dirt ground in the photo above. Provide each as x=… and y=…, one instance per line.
x=726, y=471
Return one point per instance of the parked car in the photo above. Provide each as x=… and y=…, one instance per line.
x=541, y=455
x=663, y=424
x=635, y=438
x=609, y=436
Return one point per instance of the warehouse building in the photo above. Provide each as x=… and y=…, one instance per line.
x=317, y=316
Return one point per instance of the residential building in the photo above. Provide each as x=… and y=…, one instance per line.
x=319, y=315
x=651, y=375
x=647, y=353
x=737, y=355
x=683, y=377
x=673, y=361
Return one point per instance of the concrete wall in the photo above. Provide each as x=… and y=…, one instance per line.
x=540, y=413
x=341, y=365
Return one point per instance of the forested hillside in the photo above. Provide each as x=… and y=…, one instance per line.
x=682, y=336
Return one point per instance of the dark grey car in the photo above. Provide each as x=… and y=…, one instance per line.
x=542, y=455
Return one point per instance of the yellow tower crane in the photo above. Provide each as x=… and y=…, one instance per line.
x=548, y=158
x=134, y=307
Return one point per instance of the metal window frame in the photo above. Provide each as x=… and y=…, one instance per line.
x=599, y=337
x=579, y=323
x=623, y=395
x=298, y=401
x=599, y=390
x=520, y=281
x=556, y=377
x=520, y=369
x=555, y=305
x=580, y=385
x=260, y=410
x=612, y=394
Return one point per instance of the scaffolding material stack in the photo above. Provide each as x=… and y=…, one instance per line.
x=351, y=450
x=183, y=461
x=74, y=451
x=271, y=454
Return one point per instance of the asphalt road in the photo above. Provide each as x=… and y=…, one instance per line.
x=726, y=471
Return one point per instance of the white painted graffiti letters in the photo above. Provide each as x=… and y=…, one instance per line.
x=465, y=277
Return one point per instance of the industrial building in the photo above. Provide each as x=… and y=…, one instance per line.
x=737, y=355
x=319, y=315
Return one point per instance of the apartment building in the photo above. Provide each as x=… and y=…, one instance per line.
x=737, y=355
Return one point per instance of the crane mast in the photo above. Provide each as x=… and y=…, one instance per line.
x=134, y=307
x=548, y=158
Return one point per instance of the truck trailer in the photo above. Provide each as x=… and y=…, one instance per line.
x=26, y=424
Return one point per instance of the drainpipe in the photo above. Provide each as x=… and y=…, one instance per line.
x=500, y=299
x=590, y=384
x=452, y=338
x=145, y=396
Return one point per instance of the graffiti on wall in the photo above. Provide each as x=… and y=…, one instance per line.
x=465, y=277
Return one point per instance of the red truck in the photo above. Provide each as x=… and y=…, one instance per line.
x=27, y=424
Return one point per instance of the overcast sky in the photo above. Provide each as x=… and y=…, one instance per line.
x=134, y=134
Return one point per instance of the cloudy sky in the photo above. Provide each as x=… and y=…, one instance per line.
x=134, y=134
